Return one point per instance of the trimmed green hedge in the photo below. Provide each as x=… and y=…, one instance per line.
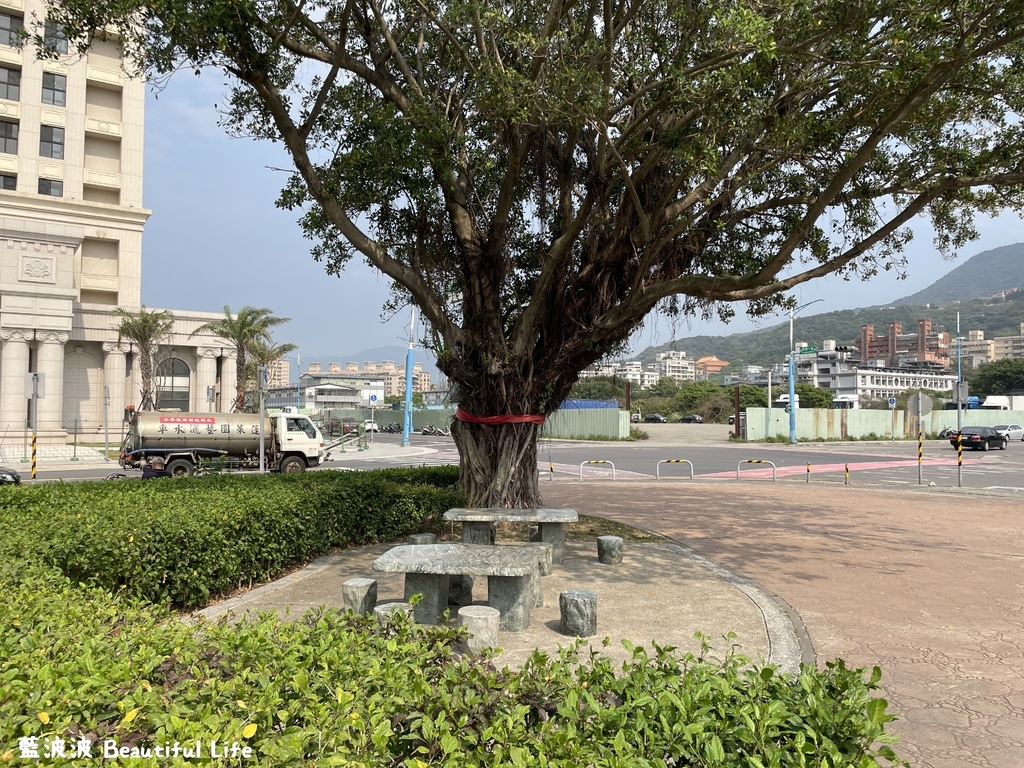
x=185, y=540
x=90, y=649
x=338, y=689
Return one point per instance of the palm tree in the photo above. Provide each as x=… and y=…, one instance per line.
x=251, y=326
x=147, y=331
x=265, y=353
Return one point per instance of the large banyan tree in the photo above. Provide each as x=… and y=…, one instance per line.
x=537, y=177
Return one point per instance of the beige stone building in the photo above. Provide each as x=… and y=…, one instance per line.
x=71, y=220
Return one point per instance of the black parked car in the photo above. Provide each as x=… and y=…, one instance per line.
x=692, y=418
x=9, y=477
x=655, y=418
x=984, y=438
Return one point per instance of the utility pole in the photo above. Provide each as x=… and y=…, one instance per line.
x=407, y=420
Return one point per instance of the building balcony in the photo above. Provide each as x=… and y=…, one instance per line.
x=98, y=127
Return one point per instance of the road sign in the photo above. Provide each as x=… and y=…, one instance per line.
x=806, y=350
x=373, y=398
x=892, y=402
x=919, y=405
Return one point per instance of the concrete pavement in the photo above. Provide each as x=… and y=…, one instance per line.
x=925, y=585
x=661, y=592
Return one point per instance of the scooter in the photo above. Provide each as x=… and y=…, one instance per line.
x=946, y=433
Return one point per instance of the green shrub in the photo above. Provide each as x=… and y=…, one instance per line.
x=85, y=654
x=337, y=689
x=187, y=540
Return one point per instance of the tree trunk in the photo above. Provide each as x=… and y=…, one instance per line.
x=498, y=464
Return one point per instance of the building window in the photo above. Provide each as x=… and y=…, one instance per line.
x=8, y=137
x=10, y=83
x=172, y=387
x=55, y=88
x=51, y=142
x=54, y=39
x=10, y=30
x=51, y=187
x=8, y=182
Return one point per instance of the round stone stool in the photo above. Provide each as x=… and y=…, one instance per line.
x=481, y=622
x=360, y=595
x=609, y=549
x=385, y=611
x=578, y=608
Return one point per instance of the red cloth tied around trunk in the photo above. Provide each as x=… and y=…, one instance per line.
x=462, y=415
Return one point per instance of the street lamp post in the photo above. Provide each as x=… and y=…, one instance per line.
x=959, y=377
x=792, y=371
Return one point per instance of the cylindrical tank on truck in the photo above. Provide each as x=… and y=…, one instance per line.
x=185, y=440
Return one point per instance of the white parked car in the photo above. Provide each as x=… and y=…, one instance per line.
x=371, y=426
x=1012, y=431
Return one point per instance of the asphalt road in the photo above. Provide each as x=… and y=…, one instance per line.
x=712, y=455
x=717, y=459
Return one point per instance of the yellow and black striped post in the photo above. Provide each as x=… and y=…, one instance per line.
x=920, y=456
x=808, y=472
x=551, y=468
x=33, y=455
x=846, y=474
x=959, y=460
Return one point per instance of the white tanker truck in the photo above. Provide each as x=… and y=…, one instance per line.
x=291, y=441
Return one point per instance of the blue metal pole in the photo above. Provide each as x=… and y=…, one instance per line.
x=959, y=378
x=407, y=420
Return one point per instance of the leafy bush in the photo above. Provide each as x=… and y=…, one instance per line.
x=635, y=433
x=85, y=655
x=186, y=540
x=338, y=689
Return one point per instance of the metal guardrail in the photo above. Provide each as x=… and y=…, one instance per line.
x=657, y=469
x=757, y=461
x=597, y=461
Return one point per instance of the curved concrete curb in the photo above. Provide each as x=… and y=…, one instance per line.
x=789, y=645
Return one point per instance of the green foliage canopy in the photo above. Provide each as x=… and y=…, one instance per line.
x=249, y=333
x=1001, y=377
x=147, y=330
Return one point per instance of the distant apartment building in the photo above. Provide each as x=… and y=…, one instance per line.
x=279, y=374
x=392, y=376
x=897, y=349
x=1004, y=347
x=840, y=370
x=672, y=364
x=976, y=350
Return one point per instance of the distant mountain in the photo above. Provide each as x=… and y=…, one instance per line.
x=986, y=274
x=392, y=352
x=974, y=289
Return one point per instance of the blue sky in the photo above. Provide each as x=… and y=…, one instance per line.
x=215, y=238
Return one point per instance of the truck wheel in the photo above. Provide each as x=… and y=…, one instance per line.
x=292, y=465
x=180, y=468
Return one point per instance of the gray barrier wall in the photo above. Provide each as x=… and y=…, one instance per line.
x=587, y=423
x=823, y=424
x=591, y=423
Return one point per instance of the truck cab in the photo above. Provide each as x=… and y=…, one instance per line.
x=301, y=442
